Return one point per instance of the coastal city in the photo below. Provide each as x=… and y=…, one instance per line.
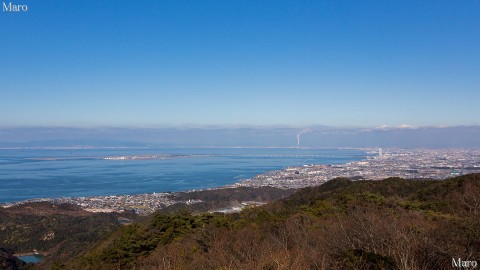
x=379, y=164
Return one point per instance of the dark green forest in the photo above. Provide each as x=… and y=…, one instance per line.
x=342, y=224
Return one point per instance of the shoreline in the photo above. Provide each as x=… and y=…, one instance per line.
x=366, y=153
x=362, y=154
x=404, y=163
x=31, y=253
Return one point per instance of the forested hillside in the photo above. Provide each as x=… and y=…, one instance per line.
x=389, y=224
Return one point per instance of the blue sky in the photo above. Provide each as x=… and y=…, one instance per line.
x=201, y=63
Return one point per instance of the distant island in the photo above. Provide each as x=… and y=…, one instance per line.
x=154, y=156
x=381, y=164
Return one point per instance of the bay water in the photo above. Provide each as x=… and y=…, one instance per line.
x=53, y=173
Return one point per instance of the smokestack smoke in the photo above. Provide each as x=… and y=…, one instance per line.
x=299, y=135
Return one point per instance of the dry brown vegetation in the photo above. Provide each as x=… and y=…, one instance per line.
x=390, y=224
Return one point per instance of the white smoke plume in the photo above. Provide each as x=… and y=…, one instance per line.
x=299, y=135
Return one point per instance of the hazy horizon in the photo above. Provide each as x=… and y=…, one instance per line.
x=259, y=63
x=241, y=136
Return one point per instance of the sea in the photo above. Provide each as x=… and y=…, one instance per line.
x=80, y=172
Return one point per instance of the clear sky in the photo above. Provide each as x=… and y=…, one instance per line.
x=214, y=62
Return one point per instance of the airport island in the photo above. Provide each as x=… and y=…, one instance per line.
x=379, y=164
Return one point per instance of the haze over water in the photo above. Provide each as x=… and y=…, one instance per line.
x=53, y=173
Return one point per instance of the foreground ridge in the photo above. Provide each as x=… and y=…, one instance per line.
x=389, y=224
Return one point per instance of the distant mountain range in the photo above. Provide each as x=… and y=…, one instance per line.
x=318, y=136
x=78, y=143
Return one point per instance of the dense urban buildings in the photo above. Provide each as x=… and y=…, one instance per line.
x=380, y=164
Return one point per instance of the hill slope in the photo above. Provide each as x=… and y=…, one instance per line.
x=59, y=230
x=389, y=224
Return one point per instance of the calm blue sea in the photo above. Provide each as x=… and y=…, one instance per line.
x=50, y=173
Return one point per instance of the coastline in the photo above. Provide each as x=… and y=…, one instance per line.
x=55, y=174
x=31, y=253
x=404, y=163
